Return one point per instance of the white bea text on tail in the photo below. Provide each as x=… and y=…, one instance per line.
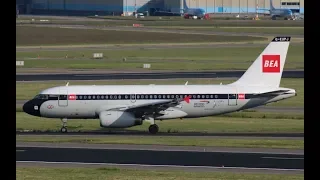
x=267, y=69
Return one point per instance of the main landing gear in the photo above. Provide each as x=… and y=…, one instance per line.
x=64, y=125
x=153, y=128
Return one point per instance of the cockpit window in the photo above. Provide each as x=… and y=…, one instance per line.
x=41, y=96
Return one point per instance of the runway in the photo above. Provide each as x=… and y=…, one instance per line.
x=136, y=133
x=158, y=156
x=162, y=75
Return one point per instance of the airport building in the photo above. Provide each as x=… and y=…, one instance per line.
x=127, y=7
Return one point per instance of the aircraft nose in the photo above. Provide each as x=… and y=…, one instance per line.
x=31, y=108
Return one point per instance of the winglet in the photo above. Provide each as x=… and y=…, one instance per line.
x=186, y=83
x=67, y=84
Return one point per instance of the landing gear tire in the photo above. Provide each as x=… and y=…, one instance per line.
x=153, y=129
x=64, y=125
x=64, y=130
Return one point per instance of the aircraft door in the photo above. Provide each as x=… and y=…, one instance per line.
x=133, y=98
x=63, y=97
x=232, y=99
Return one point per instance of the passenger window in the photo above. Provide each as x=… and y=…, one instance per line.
x=119, y=97
x=89, y=97
x=126, y=96
x=93, y=97
x=107, y=97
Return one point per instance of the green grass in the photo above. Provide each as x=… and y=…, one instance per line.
x=40, y=173
x=205, y=124
x=171, y=141
x=160, y=59
x=29, y=35
x=27, y=90
x=276, y=30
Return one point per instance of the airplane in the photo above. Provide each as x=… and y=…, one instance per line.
x=275, y=12
x=190, y=12
x=123, y=106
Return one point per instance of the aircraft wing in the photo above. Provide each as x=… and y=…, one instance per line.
x=151, y=108
x=270, y=93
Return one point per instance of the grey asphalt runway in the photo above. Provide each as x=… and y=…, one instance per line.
x=160, y=148
x=168, y=158
x=135, y=133
x=163, y=75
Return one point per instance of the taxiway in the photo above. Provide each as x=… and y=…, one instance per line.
x=159, y=156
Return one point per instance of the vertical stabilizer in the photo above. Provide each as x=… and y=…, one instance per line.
x=267, y=69
x=185, y=6
x=271, y=5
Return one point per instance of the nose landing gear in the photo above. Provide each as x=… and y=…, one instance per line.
x=64, y=125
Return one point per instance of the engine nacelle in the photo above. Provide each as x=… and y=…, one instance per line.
x=118, y=119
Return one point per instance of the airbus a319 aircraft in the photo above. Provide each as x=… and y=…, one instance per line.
x=122, y=106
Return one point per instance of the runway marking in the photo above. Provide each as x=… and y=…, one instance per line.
x=284, y=158
x=147, y=165
x=20, y=150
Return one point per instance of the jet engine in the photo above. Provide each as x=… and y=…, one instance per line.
x=118, y=119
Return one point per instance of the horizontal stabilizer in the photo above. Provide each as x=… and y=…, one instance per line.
x=271, y=93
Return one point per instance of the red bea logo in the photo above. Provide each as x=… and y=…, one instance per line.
x=271, y=63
